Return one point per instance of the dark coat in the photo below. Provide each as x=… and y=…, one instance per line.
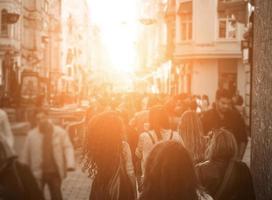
x=232, y=121
x=239, y=186
x=17, y=182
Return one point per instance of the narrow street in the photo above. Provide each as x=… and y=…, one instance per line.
x=163, y=97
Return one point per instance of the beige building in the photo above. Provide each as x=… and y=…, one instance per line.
x=75, y=44
x=10, y=45
x=41, y=41
x=152, y=46
x=207, y=51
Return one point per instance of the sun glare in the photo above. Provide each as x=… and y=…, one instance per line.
x=118, y=27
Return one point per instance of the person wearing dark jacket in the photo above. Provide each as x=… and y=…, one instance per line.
x=223, y=177
x=221, y=115
x=16, y=180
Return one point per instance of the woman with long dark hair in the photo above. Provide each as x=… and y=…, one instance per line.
x=170, y=175
x=107, y=158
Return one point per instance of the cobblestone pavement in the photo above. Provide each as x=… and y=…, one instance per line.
x=76, y=186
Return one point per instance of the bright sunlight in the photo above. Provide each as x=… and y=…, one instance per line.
x=118, y=27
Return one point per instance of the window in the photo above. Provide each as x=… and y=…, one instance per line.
x=226, y=26
x=185, y=13
x=4, y=22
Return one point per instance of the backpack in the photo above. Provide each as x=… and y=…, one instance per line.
x=153, y=139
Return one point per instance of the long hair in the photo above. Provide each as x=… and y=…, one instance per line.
x=191, y=131
x=223, y=146
x=169, y=174
x=158, y=119
x=103, y=145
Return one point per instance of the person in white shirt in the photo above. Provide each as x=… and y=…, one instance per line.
x=5, y=129
x=159, y=131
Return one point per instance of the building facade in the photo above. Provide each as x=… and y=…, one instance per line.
x=207, y=53
x=75, y=45
x=41, y=42
x=153, y=62
x=29, y=48
x=10, y=45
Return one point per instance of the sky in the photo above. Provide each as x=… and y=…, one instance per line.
x=118, y=26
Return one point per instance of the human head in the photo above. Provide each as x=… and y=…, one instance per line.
x=205, y=98
x=223, y=146
x=42, y=121
x=169, y=172
x=223, y=100
x=158, y=118
x=103, y=144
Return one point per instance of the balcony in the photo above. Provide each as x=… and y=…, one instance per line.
x=7, y=43
x=216, y=49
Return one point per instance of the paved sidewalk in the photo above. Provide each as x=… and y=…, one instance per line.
x=76, y=186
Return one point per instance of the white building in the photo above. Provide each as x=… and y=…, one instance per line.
x=152, y=46
x=207, y=53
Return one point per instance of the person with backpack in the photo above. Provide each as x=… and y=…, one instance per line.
x=223, y=176
x=107, y=158
x=16, y=180
x=159, y=131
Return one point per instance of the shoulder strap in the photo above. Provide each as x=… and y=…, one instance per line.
x=225, y=180
x=151, y=137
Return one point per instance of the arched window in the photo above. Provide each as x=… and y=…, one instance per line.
x=4, y=23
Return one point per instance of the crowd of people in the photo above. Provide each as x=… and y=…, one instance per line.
x=144, y=147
